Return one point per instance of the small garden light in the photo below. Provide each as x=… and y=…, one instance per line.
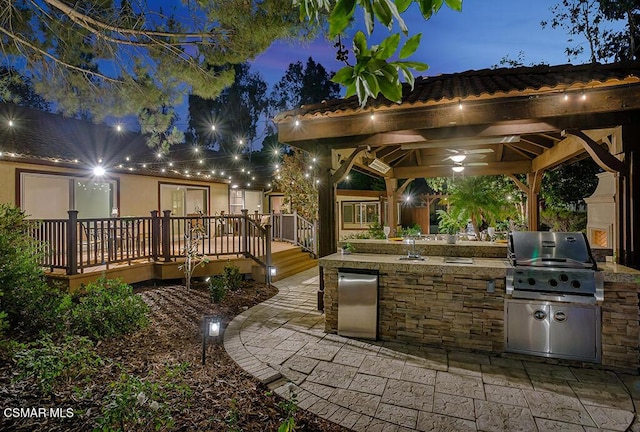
x=211, y=328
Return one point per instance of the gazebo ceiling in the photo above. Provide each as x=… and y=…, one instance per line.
x=503, y=121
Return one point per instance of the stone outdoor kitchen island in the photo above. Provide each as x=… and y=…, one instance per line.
x=462, y=306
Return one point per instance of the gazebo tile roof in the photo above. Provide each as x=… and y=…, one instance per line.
x=485, y=83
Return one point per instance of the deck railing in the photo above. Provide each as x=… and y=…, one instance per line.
x=293, y=228
x=76, y=244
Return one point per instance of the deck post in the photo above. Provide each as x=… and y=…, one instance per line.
x=244, y=231
x=155, y=235
x=295, y=227
x=166, y=235
x=314, y=237
x=267, y=252
x=72, y=242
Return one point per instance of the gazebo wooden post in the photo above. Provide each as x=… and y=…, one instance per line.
x=327, y=239
x=392, y=204
x=534, y=180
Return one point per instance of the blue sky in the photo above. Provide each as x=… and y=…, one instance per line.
x=477, y=38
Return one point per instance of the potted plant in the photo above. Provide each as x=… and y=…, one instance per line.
x=450, y=223
x=348, y=248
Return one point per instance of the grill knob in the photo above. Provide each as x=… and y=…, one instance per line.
x=553, y=282
x=531, y=281
x=575, y=284
x=564, y=277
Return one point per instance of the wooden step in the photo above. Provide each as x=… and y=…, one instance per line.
x=288, y=263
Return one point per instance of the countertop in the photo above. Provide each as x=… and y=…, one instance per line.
x=485, y=267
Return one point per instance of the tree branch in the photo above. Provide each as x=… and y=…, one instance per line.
x=44, y=53
x=85, y=20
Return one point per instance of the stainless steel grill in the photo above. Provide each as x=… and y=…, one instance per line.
x=554, y=284
x=553, y=266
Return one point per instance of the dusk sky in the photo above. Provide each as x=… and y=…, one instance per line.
x=477, y=38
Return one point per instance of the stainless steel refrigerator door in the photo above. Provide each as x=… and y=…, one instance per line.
x=358, y=305
x=527, y=327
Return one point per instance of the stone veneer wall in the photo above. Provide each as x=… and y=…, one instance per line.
x=620, y=326
x=432, y=308
x=456, y=311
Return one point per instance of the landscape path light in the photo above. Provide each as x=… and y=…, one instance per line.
x=211, y=328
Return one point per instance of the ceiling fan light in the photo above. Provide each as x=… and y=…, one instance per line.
x=458, y=158
x=457, y=168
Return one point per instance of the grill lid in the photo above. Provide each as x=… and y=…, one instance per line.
x=550, y=249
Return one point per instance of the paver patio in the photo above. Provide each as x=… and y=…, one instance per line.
x=381, y=386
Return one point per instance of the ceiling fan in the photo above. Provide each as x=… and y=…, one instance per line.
x=459, y=166
x=460, y=155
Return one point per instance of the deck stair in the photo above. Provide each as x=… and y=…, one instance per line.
x=291, y=261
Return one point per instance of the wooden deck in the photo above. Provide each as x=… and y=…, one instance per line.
x=139, y=270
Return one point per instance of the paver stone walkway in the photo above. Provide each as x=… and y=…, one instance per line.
x=382, y=386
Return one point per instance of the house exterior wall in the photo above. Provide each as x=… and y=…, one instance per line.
x=355, y=196
x=137, y=194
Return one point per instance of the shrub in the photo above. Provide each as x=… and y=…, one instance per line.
x=376, y=230
x=134, y=404
x=217, y=289
x=564, y=220
x=51, y=363
x=109, y=308
x=28, y=303
x=232, y=277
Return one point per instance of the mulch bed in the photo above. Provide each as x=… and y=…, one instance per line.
x=219, y=396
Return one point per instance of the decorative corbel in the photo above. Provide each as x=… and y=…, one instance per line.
x=341, y=172
x=603, y=158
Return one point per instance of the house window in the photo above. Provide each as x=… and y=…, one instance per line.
x=236, y=201
x=51, y=196
x=184, y=200
x=359, y=215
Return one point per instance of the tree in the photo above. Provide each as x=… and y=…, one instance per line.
x=622, y=45
x=130, y=57
x=302, y=85
x=297, y=180
x=579, y=18
x=589, y=19
x=566, y=187
x=235, y=113
x=15, y=88
x=477, y=198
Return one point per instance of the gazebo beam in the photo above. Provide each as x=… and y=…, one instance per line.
x=445, y=114
x=566, y=149
x=492, y=168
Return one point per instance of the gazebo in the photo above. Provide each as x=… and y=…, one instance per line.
x=523, y=120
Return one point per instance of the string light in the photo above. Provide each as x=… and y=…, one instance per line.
x=460, y=105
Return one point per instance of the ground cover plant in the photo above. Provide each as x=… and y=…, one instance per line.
x=120, y=360
x=153, y=379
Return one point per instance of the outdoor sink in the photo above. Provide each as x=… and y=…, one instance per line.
x=410, y=257
x=458, y=260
